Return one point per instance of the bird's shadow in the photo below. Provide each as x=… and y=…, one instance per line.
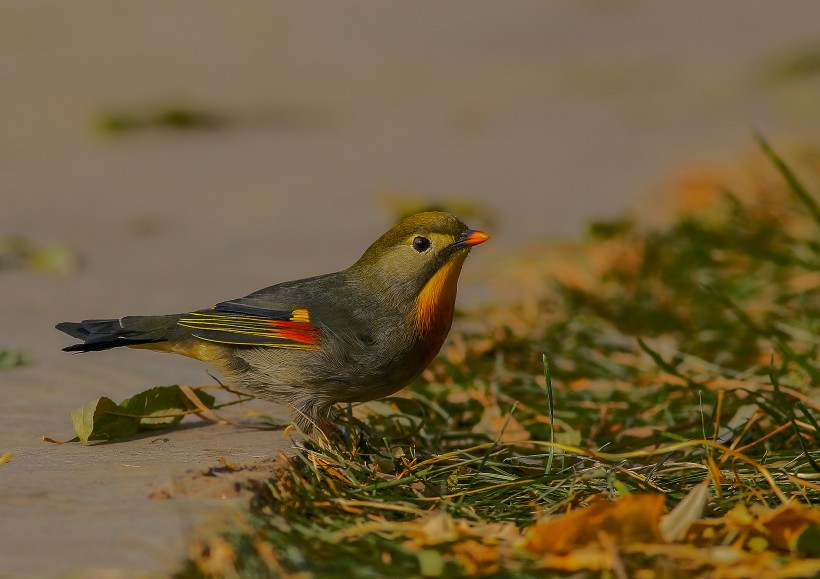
x=164, y=431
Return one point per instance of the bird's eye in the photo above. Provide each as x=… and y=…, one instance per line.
x=421, y=244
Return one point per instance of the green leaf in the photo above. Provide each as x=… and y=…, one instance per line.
x=161, y=406
x=14, y=359
x=19, y=252
x=102, y=419
x=54, y=258
x=99, y=420
x=809, y=541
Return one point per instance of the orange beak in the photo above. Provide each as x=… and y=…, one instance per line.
x=475, y=238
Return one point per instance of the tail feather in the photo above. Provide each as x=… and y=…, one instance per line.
x=73, y=329
x=105, y=334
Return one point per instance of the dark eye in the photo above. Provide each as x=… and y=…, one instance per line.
x=421, y=244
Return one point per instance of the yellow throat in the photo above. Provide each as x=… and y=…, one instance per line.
x=436, y=301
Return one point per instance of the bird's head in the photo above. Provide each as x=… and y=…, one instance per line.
x=419, y=260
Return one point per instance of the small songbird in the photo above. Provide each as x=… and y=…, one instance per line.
x=351, y=336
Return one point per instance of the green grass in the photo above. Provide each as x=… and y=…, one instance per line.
x=799, y=64
x=679, y=355
x=176, y=118
x=17, y=252
x=14, y=359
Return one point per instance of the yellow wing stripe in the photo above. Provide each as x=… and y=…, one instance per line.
x=290, y=346
x=300, y=315
x=249, y=319
x=245, y=332
x=204, y=324
x=297, y=332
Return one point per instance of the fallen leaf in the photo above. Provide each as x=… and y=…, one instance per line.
x=162, y=405
x=102, y=419
x=476, y=557
x=98, y=420
x=787, y=523
x=437, y=528
x=431, y=563
x=673, y=526
x=590, y=557
x=634, y=518
x=195, y=397
x=492, y=423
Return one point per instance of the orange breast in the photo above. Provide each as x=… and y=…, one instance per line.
x=436, y=302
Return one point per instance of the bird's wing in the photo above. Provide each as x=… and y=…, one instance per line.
x=248, y=325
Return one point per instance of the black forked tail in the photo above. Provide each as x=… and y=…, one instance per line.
x=105, y=334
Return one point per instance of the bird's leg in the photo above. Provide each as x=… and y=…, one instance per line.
x=346, y=430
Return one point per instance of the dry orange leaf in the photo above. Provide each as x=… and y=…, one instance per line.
x=787, y=522
x=477, y=557
x=492, y=422
x=632, y=519
x=780, y=527
x=592, y=557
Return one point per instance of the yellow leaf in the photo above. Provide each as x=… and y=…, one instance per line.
x=437, y=528
x=431, y=563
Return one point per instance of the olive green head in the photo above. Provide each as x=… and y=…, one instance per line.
x=409, y=255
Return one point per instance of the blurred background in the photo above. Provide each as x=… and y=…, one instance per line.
x=191, y=151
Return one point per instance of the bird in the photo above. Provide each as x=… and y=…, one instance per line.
x=355, y=335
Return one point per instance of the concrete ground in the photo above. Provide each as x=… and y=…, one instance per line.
x=543, y=115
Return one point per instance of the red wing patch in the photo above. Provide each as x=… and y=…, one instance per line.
x=292, y=330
